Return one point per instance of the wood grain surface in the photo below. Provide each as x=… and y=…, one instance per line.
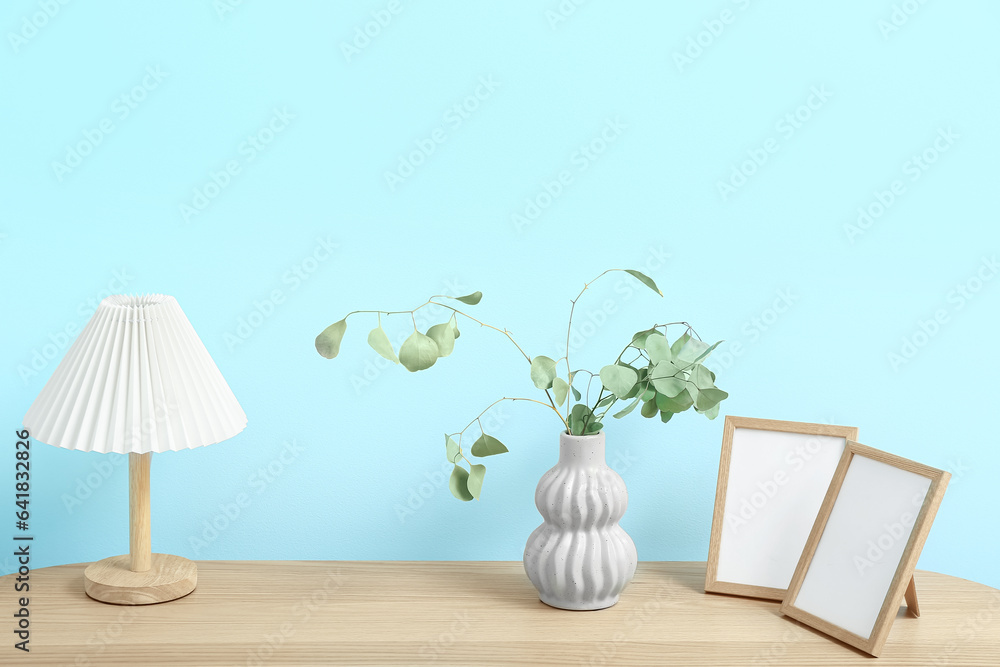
x=468, y=613
x=112, y=580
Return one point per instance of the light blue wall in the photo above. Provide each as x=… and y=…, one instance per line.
x=367, y=438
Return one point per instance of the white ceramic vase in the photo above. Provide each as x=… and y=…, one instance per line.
x=580, y=558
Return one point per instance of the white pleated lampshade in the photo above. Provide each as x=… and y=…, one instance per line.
x=136, y=380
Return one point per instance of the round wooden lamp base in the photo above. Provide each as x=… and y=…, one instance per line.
x=111, y=580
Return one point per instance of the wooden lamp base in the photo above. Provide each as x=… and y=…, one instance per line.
x=112, y=580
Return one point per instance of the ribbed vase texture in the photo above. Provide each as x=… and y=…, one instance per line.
x=580, y=558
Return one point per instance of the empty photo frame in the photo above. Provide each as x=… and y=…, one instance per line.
x=860, y=556
x=773, y=477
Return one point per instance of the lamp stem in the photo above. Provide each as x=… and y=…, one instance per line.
x=138, y=503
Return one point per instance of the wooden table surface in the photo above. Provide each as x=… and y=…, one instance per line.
x=467, y=613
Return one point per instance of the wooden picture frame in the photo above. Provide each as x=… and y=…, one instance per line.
x=766, y=501
x=875, y=500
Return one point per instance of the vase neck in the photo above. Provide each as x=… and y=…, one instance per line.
x=587, y=450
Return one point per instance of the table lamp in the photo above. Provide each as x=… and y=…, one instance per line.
x=137, y=380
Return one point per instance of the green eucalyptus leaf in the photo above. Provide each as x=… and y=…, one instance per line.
x=685, y=399
x=560, y=388
x=477, y=473
x=658, y=349
x=645, y=280
x=713, y=411
x=580, y=415
x=618, y=379
x=452, y=449
x=418, y=352
x=665, y=416
x=459, y=484
x=470, y=299
x=328, y=342
x=593, y=427
x=576, y=393
x=640, y=388
x=543, y=371
x=669, y=386
x=667, y=379
x=678, y=403
x=640, y=339
x=648, y=395
x=708, y=351
x=380, y=343
x=649, y=408
x=630, y=408
x=444, y=336
x=571, y=426
x=709, y=398
x=693, y=350
x=607, y=400
x=693, y=391
x=680, y=343
x=487, y=445
x=676, y=368
x=702, y=377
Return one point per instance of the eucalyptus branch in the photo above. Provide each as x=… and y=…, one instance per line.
x=421, y=350
x=572, y=308
x=641, y=355
x=432, y=302
x=506, y=333
x=601, y=394
x=500, y=400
